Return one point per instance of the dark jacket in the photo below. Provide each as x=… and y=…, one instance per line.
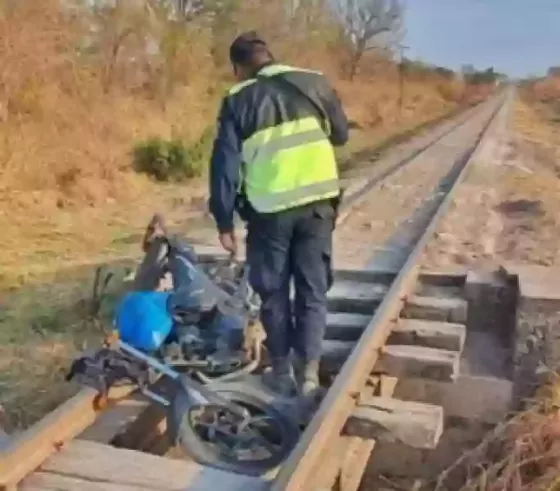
x=257, y=106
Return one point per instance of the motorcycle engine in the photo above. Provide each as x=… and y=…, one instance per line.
x=211, y=305
x=208, y=326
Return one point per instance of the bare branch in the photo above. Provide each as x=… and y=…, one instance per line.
x=364, y=21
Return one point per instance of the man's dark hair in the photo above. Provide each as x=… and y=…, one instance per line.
x=250, y=50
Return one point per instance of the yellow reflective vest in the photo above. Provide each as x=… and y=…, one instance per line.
x=290, y=164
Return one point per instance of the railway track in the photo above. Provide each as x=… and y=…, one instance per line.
x=385, y=323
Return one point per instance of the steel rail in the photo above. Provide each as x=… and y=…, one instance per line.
x=328, y=422
x=30, y=448
x=355, y=197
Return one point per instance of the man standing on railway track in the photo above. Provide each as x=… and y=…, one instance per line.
x=273, y=162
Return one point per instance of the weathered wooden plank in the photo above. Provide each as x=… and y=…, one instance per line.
x=117, y=419
x=346, y=327
x=354, y=463
x=445, y=278
x=451, y=278
x=386, y=386
x=355, y=297
x=484, y=399
x=336, y=461
x=27, y=450
x=391, y=420
x=46, y=481
x=337, y=405
x=443, y=309
x=325, y=475
x=431, y=334
x=397, y=361
x=359, y=449
x=363, y=276
x=362, y=306
x=418, y=362
x=94, y=462
x=358, y=290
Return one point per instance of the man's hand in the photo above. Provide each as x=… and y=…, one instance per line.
x=229, y=242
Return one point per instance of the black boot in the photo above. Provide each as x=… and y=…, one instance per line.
x=281, y=379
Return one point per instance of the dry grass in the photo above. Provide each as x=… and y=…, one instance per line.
x=545, y=90
x=68, y=121
x=536, y=121
x=67, y=133
x=534, y=180
x=511, y=200
x=522, y=454
x=43, y=328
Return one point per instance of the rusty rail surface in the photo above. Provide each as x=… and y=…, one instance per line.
x=29, y=449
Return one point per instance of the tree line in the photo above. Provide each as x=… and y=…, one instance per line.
x=473, y=76
x=131, y=36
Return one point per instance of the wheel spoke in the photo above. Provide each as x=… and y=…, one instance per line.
x=255, y=438
x=216, y=429
x=268, y=446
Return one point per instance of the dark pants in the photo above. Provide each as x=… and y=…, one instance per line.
x=293, y=244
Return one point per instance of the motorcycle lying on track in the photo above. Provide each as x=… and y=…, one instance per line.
x=202, y=335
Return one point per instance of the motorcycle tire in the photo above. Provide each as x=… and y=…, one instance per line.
x=182, y=434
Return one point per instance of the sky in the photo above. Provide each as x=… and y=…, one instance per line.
x=517, y=37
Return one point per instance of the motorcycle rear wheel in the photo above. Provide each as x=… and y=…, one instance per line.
x=213, y=436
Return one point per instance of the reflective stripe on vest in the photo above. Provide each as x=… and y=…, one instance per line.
x=265, y=144
x=290, y=164
x=282, y=200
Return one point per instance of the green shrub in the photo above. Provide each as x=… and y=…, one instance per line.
x=171, y=160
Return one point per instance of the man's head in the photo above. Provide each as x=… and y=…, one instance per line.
x=248, y=54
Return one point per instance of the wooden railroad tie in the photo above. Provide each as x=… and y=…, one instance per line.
x=426, y=342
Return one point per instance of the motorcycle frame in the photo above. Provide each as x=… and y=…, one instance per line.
x=200, y=393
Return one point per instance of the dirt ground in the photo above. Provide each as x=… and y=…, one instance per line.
x=388, y=205
x=508, y=208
